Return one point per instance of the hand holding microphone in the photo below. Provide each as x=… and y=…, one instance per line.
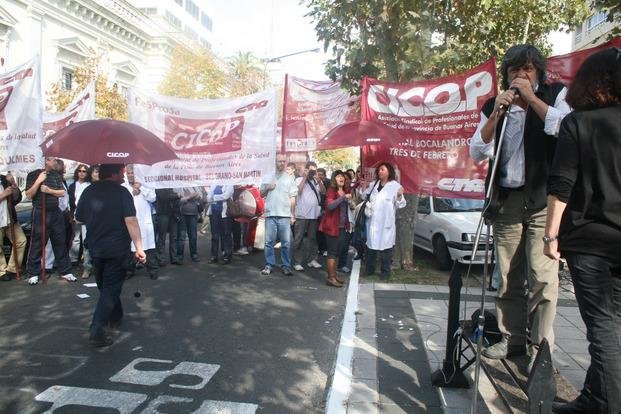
x=505, y=100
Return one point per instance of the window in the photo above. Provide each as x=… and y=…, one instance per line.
x=191, y=8
x=172, y=19
x=179, y=2
x=423, y=205
x=206, y=21
x=67, y=79
x=596, y=20
x=191, y=33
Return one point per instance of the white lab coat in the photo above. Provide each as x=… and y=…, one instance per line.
x=142, y=202
x=381, y=226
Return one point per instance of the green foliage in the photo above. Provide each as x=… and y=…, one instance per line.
x=401, y=40
x=194, y=74
x=248, y=76
x=109, y=102
x=337, y=159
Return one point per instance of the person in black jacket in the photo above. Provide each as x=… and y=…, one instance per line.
x=167, y=209
x=81, y=180
x=10, y=196
x=584, y=222
x=519, y=211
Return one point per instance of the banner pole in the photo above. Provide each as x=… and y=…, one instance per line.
x=283, y=134
x=43, y=241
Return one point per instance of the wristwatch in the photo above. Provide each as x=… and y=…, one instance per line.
x=549, y=239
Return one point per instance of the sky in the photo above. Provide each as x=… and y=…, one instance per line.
x=272, y=28
x=268, y=29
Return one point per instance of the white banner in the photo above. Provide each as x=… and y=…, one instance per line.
x=21, y=118
x=82, y=108
x=219, y=142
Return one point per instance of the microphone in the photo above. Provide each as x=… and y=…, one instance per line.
x=515, y=91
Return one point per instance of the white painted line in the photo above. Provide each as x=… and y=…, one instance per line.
x=131, y=375
x=83, y=295
x=342, y=379
x=89, y=284
x=60, y=396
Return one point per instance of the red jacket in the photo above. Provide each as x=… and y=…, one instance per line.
x=329, y=224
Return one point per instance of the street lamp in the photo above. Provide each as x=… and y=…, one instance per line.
x=278, y=59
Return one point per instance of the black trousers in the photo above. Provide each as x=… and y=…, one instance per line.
x=109, y=275
x=166, y=225
x=55, y=231
x=597, y=284
x=221, y=235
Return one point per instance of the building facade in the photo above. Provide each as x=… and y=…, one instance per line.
x=136, y=46
x=592, y=32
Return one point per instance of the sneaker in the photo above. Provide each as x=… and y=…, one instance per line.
x=344, y=269
x=242, y=252
x=314, y=264
x=502, y=350
x=33, y=280
x=325, y=254
x=298, y=268
x=267, y=270
x=100, y=341
x=287, y=271
x=86, y=274
x=196, y=259
x=69, y=277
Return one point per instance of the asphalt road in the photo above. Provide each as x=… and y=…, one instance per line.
x=200, y=339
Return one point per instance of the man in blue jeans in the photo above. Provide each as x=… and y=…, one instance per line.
x=107, y=209
x=279, y=215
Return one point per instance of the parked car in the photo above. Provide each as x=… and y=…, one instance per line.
x=446, y=227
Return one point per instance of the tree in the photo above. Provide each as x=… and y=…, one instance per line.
x=109, y=102
x=248, y=77
x=402, y=40
x=194, y=74
x=337, y=159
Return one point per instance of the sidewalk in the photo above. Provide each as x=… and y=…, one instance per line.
x=400, y=340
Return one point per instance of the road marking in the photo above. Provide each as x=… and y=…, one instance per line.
x=341, y=381
x=207, y=407
x=131, y=375
x=60, y=396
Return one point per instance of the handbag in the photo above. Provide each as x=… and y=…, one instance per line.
x=363, y=211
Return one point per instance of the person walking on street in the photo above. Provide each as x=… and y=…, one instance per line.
x=107, y=209
x=279, y=215
x=307, y=212
x=81, y=180
x=167, y=208
x=220, y=223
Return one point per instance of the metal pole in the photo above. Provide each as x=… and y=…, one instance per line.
x=43, y=238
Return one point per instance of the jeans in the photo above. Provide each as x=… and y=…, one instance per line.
x=109, y=275
x=385, y=262
x=56, y=232
x=597, y=283
x=221, y=235
x=166, y=225
x=187, y=227
x=304, y=241
x=278, y=228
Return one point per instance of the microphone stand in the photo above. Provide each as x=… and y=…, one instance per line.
x=481, y=318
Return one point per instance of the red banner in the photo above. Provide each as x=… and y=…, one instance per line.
x=435, y=119
x=311, y=109
x=563, y=68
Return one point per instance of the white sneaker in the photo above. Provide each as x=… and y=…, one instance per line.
x=243, y=251
x=298, y=267
x=33, y=280
x=314, y=264
x=344, y=269
x=69, y=277
x=266, y=270
x=325, y=254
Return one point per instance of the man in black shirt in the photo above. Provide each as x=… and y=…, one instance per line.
x=47, y=184
x=107, y=209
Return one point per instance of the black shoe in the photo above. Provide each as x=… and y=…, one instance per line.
x=213, y=260
x=577, y=406
x=130, y=274
x=116, y=325
x=195, y=259
x=177, y=262
x=8, y=276
x=502, y=350
x=100, y=341
x=161, y=264
x=153, y=275
x=226, y=260
x=287, y=271
x=357, y=257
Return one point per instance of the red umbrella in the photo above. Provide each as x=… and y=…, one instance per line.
x=358, y=133
x=106, y=141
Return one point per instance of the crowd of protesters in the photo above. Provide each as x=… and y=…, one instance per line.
x=306, y=214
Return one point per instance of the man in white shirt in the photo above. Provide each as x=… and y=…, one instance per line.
x=518, y=208
x=307, y=212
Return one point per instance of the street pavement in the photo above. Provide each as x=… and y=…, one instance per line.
x=200, y=339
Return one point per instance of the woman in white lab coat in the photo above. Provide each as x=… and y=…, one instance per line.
x=386, y=197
